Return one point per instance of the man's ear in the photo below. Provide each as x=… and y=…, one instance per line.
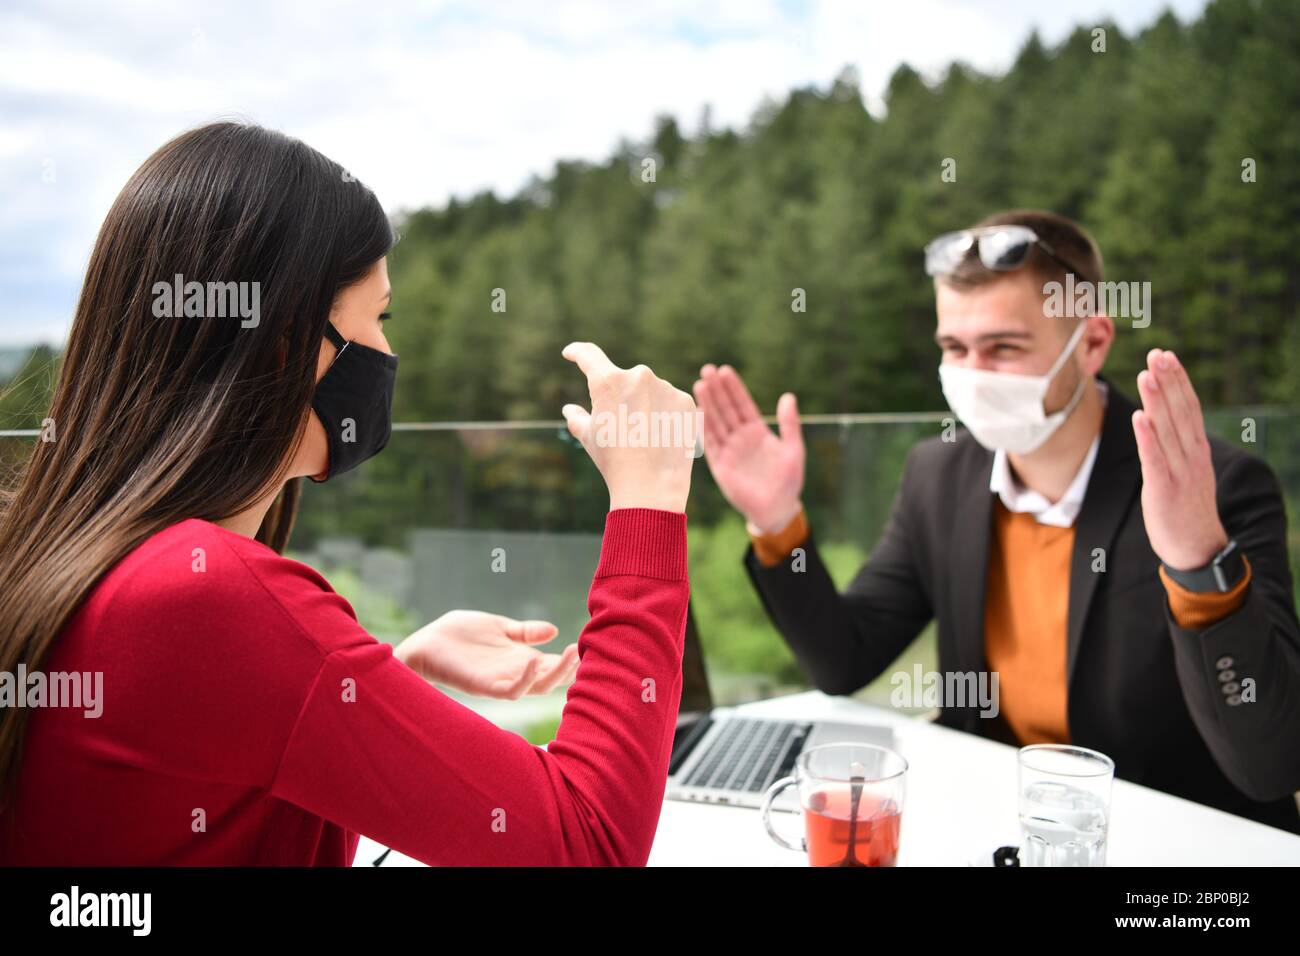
x=1105, y=329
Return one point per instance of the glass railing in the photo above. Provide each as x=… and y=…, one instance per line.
x=507, y=517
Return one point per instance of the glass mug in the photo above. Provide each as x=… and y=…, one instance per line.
x=851, y=796
x=1064, y=805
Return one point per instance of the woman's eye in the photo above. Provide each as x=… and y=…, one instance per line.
x=385, y=316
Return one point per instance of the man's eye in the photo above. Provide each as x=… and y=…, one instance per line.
x=385, y=316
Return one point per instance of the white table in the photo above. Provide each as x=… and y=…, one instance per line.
x=961, y=798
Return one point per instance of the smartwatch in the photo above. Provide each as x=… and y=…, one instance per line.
x=1222, y=574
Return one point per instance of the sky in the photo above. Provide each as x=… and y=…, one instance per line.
x=425, y=100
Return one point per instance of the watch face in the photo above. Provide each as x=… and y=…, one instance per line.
x=1228, y=567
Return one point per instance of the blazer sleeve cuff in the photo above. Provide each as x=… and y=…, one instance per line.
x=1197, y=610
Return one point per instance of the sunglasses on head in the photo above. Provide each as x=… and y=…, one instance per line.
x=1000, y=248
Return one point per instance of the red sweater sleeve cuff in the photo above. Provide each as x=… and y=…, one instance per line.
x=645, y=542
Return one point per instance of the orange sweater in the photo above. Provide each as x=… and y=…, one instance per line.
x=1026, y=609
x=1025, y=614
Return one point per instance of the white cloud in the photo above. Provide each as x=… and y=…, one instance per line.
x=422, y=100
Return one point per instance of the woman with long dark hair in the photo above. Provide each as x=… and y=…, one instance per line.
x=228, y=342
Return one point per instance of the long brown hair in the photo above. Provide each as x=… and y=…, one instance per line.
x=155, y=420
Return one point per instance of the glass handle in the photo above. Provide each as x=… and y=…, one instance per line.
x=772, y=793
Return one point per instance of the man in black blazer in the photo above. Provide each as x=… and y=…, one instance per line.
x=1171, y=630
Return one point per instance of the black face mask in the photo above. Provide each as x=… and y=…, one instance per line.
x=354, y=401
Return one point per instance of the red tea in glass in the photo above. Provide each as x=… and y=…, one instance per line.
x=851, y=796
x=834, y=841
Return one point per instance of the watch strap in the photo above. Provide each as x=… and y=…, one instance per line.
x=1221, y=574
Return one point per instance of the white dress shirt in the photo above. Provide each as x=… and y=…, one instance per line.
x=1016, y=497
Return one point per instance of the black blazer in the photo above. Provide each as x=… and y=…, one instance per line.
x=1142, y=690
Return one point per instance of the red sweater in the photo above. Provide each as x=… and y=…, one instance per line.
x=249, y=692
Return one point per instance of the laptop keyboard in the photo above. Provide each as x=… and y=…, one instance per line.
x=749, y=755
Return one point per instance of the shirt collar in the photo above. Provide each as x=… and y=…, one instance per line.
x=1018, y=498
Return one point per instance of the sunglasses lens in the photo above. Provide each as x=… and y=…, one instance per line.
x=945, y=253
x=1005, y=249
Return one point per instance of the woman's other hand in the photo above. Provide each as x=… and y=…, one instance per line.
x=488, y=655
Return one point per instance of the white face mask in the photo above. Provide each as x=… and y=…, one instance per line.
x=1005, y=410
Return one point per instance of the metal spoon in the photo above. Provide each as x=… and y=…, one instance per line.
x=858, y=774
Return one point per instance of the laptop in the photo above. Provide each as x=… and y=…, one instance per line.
x=722, y=757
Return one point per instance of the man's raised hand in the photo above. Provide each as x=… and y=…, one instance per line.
x=1178, y=484
x=760, y=473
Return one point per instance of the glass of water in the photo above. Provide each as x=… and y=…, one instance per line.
x=1064, y=805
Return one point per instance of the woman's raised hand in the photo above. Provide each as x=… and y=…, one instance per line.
x=640, y=432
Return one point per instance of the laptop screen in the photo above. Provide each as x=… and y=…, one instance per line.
x=697, y=699
x=696, y=696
